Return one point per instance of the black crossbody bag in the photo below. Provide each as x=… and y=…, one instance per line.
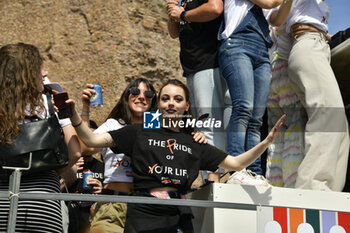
x=44, y=138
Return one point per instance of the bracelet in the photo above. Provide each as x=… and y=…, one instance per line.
x=84, y=114
x=77, y=125
x=182, y=16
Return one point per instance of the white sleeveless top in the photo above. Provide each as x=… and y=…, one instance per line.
x=234, y=13
x=45, y=114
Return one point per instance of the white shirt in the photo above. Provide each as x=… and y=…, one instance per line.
x=234, y=13
x=117, y=166
x=45, y=114
x=63, y=122
x=315, y=12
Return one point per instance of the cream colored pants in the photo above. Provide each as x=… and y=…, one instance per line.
x=326, y=131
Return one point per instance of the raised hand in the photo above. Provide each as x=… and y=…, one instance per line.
x=199, y=137
x=273, y=133
x=87, y=93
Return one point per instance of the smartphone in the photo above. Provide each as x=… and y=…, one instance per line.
x=64, y=110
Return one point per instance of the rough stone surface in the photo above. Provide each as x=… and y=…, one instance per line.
x=107, y=42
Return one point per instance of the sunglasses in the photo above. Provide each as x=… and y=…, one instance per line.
x=135, y=92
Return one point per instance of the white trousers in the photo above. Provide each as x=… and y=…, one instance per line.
x=326, y=131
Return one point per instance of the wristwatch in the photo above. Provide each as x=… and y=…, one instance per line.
x=182, y=16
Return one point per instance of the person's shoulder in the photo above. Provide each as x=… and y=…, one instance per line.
x=109, y=125
x=130, y=128
x=136, y=127
x=113, y=123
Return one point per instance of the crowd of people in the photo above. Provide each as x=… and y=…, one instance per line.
x=239, y=57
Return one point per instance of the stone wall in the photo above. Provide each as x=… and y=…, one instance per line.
x=108, y=42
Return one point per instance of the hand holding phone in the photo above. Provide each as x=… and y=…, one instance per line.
x=64, y=110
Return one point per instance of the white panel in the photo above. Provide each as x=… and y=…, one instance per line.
x=337, y=229
x=263, y=216
x=305, y=228
x=272, y=227
x=246, y=221
x=234, y=221
x=284, y=197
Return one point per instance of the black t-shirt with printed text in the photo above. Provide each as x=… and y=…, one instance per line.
x=162, y=157
x=96, y=167
x=198, y=41
x=82, y=218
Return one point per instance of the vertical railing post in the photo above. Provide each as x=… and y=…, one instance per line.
x=14, y=185
x=15, y=181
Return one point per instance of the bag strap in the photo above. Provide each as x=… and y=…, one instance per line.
x=49, y=104
x=65, y=185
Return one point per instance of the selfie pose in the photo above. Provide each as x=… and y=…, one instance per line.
x=166, y=161
x=138, y=96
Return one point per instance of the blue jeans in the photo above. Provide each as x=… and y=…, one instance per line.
x=209, y=94
x=245, y=65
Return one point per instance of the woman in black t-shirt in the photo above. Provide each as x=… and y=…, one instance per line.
x=166, y=160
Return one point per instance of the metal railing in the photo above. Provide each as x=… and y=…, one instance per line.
x=14, y=195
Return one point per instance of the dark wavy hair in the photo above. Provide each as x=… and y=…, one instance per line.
x=20, y=68
x=187, y=114
x=121, y=111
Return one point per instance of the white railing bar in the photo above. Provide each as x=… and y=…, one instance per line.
x=142, y=200
x=128, y=199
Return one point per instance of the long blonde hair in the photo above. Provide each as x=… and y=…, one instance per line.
x=20, y=68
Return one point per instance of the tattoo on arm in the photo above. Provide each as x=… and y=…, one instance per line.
x=109, y=142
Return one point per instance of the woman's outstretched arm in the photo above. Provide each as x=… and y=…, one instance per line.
x=243, y=160
x=86, y=135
